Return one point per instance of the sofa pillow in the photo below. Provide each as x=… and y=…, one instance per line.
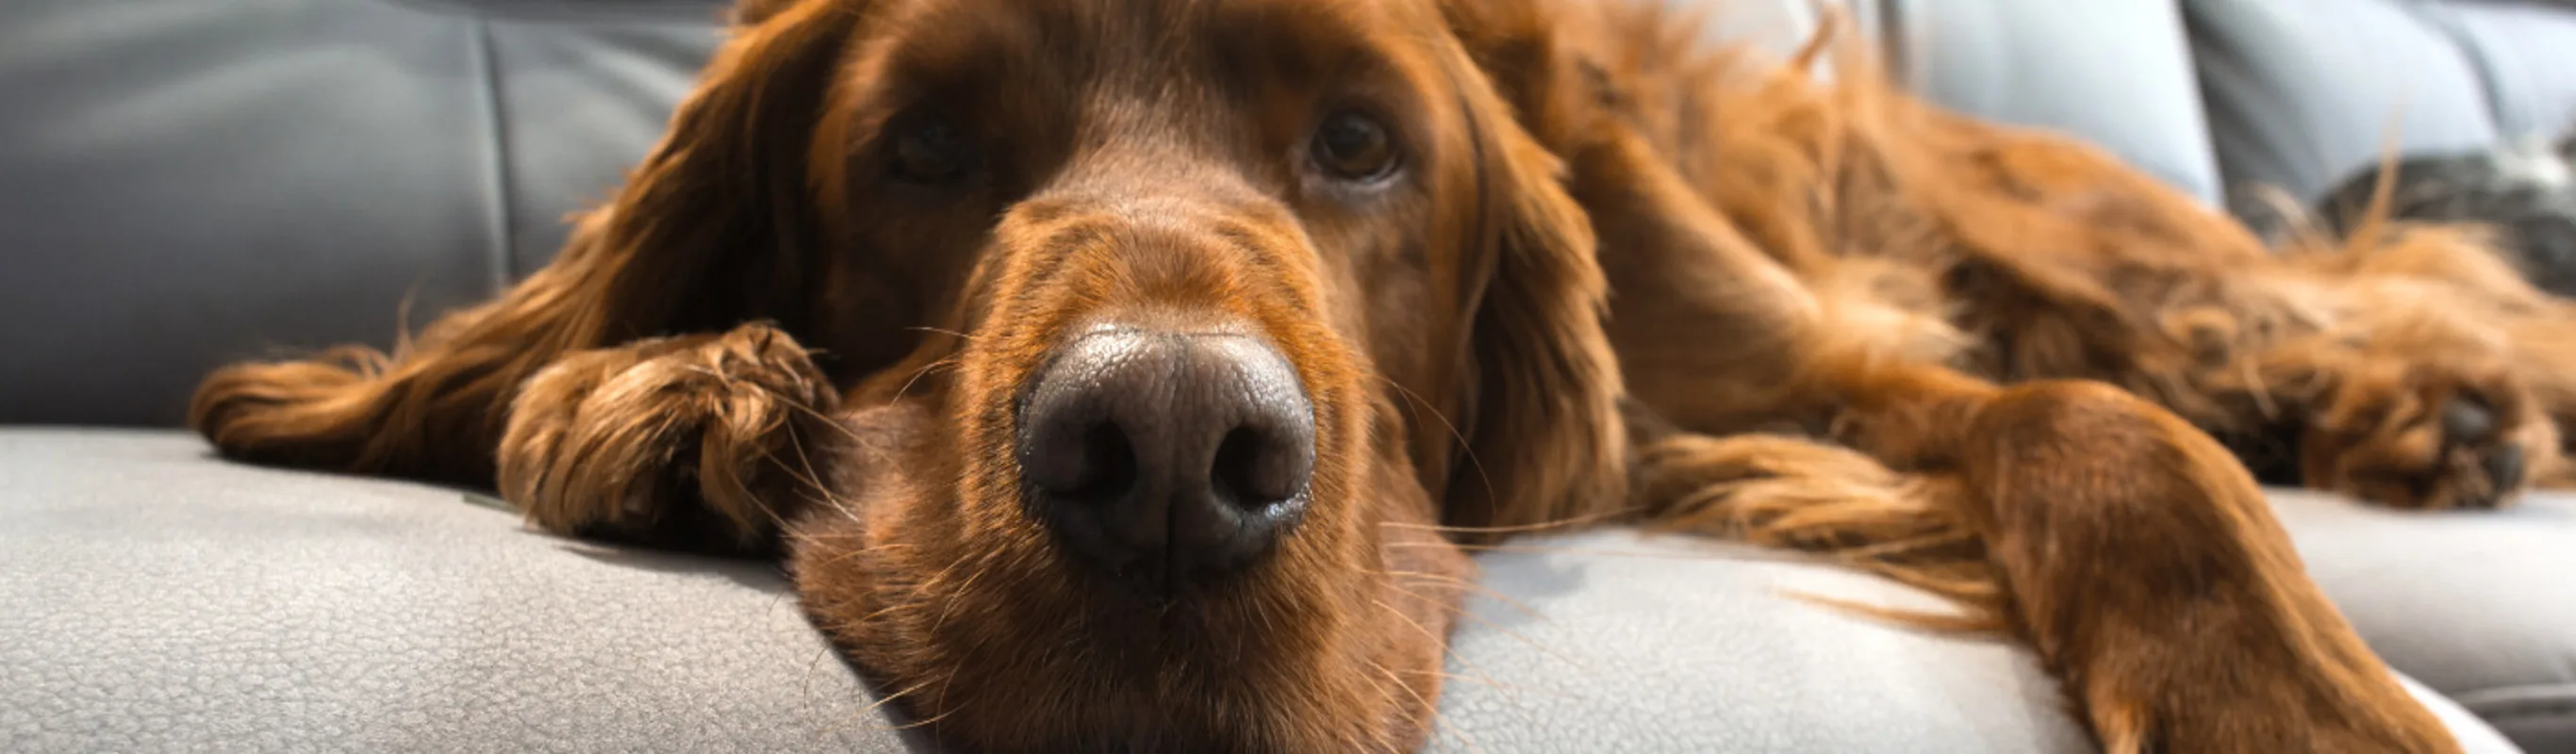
x=2303, y=92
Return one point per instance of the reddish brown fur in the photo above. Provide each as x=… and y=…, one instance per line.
x=1620, y=277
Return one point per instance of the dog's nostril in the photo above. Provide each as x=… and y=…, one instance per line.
x=1250, y=474
x=1108, y=467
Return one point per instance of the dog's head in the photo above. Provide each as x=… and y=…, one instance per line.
x=1171, y=328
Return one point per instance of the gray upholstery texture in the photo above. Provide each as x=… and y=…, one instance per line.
x=187, y=182
x=164, y=600
x=161, y=600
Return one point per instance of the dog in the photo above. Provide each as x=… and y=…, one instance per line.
x=1133, y=375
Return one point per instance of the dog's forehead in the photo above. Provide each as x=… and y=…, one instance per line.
x=1106, y=39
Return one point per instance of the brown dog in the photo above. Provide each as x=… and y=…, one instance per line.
x=1122, y=375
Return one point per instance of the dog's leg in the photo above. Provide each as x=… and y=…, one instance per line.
x=703, y=442
x=2405, y=416
x=2419, y=372
x=2130, y=550
x=1807, y=494
x=2143, y=561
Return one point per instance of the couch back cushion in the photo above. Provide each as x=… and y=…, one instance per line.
x=184, y=182
x=2116, y=74
x=2303, y=93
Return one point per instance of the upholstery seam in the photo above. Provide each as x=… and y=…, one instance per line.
x=2203, y=134
x=1893, y=47
x=2447, y=22
x=2533, y=700
x=497, y=216
x=674, y=10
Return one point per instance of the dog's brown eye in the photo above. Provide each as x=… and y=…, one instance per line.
x=1354, y=147
x=930, y=152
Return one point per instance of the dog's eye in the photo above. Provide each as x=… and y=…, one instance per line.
x=1354, y=147
x=930, y=152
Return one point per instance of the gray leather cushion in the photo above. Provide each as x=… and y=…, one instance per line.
x=2303, y=92
x=2527, y=54
x=160, y=600
x=2116, y=74
x=185, y=182
x=2480, y=606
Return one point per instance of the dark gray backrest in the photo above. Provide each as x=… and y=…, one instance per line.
x=186, y=182
x=2302, y=93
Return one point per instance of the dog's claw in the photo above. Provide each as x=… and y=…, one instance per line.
x=2504, y=467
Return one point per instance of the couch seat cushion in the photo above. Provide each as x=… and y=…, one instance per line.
x=163, y=600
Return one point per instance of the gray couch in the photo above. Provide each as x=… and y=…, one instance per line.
x=188, y=181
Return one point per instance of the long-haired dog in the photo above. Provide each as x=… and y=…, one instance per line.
x=1128, y=375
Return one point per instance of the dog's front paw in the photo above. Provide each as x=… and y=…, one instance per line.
x=697, y=443
x=2431, y=437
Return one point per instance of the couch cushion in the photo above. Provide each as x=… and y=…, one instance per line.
x=2480, y=606
x=2034, y=63
x=184, y=183
x=2301, y=93
x=2526, y=52
x=162, y=600
x=2117, y=75
x=1614, y=641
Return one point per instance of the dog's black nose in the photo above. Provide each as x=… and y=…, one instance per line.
x=1167, y=457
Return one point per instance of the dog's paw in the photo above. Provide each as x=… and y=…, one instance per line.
x=696, y=443
x=2430, y=437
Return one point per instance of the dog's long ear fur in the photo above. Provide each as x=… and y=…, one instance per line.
x=710, y=230
x=1540, y=418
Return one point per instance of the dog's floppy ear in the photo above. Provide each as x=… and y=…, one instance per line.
x=711, y=229
x=1540, y=415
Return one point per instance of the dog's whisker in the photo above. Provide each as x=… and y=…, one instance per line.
x=1462, y=612
x=925, y=371
x=811, y=478
x=880, y=704
x=1464, y=447
x=1430, y=709
x=927, y=722
x=944, y=685
x=1470, y=585
x=942, y=331
x=1545, y=550
x=1427, y=633
x=1562, y=523
x=955, y=595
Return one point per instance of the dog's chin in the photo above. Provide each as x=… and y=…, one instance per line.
x=987, y=657
x=989, y=639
